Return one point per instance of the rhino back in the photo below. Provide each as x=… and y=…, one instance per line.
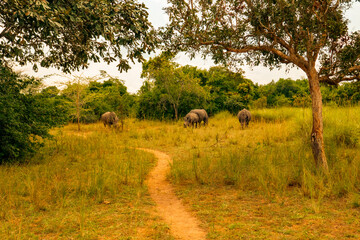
x=109, y=118
x=244, y=115
x=191, y=117
x=203, y=116
x=105, y=117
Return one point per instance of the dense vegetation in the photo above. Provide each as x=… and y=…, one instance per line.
x=30, y=109
x=71, y=34
x=257, y=183
x=25, y=116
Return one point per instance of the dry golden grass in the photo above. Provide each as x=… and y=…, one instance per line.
x=83, y=185
x=257, y=183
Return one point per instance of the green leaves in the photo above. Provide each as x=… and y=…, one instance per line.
x=170, y=90
x=74, y=32
x=228, y=90
x=185, y=87
x=258, y=32
x=341, y=62
x=25, y=117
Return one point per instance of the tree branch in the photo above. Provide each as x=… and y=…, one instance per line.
x=354, y=68
x=250, y=48
x=336, y=81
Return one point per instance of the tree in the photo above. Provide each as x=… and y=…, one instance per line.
x=75, y=92
x=353, y=91
x=25, y=116
x=67, y=34
x=284, y=92
x=272, y=32
x=228, y=90
x=115, y=94
x=172, y=80
x=148, y=104
x=51, y=91
x=91, y=97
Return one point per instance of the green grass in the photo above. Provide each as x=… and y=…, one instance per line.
x=256, y=183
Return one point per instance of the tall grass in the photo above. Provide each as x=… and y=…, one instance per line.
x=273, y=115
x=66, y=190
x=273, y=156
x=344, y=126
x=56, y=192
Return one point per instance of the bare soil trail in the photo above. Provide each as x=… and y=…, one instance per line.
x=183, y=225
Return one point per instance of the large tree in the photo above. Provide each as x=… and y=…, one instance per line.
x=173, y=82
x=68, y=34
x=301, y=33
x=228, y=90
x=75, y=92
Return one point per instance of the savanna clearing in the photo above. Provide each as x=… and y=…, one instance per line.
x=257, y=183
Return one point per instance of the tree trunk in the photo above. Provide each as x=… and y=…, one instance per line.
x=176, y=111
x=78, y=109
x=317, y=140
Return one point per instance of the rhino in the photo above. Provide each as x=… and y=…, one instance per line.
x=203, y=116
x=109, y=118
x=244, y=117
x=191, y=119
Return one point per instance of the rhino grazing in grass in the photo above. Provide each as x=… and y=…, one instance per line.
x=244, y=117
x=110, y=119
x=202, y=115
x=191, y=119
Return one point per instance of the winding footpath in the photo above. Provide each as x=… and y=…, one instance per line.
x=183, y=225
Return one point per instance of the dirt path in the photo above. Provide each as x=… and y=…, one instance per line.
x=183, y=225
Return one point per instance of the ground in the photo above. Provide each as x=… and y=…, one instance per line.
x=256, y=183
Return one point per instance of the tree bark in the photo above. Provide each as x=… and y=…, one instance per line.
x=317, y=139
x=78, y=109
x=176, y=111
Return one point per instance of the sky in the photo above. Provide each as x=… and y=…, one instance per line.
x=157, y=16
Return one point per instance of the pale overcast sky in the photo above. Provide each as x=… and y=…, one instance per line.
x=158, y=18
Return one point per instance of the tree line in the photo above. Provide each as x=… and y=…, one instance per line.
x=169, y=91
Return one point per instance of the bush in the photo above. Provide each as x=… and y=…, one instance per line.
x=235, y=103
x=25, y=119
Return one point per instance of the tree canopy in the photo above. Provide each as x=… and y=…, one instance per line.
x=171, y=85
x=270, y=32
x=68, y=34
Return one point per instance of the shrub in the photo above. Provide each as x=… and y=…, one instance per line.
x=25, y=118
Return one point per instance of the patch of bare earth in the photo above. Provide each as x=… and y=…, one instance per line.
x=183, y=225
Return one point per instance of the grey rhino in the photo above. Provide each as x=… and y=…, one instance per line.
x=109, y=118
x=203, y=116
x=244, y=117
x=191, y=119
